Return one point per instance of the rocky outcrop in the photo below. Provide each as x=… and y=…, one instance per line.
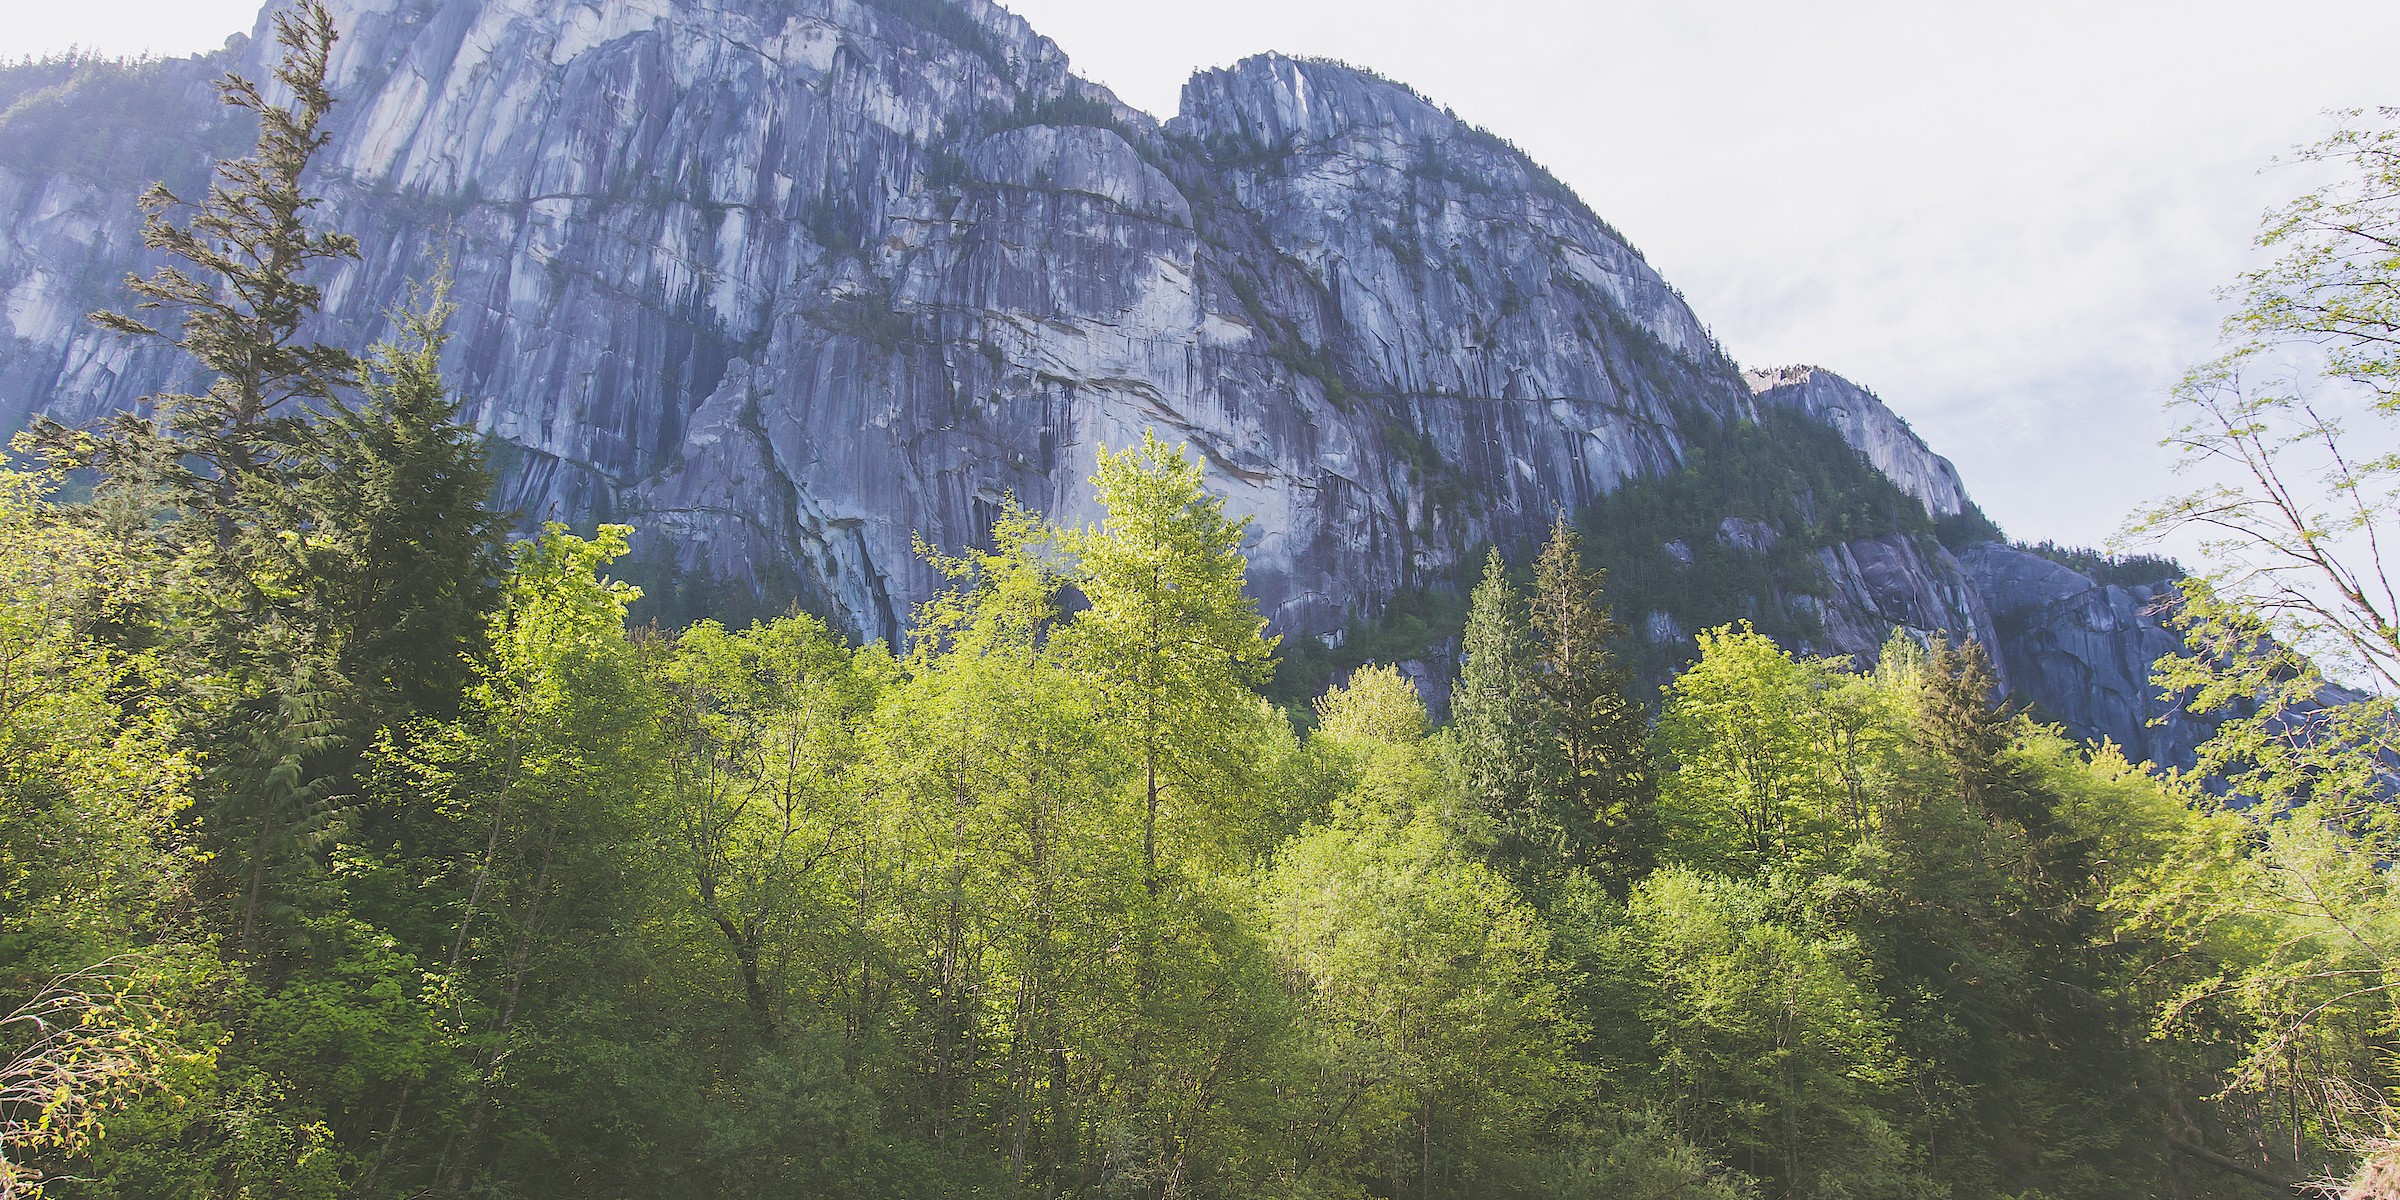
x=1877, y=585
x=2081, y=652
x=1869, y=425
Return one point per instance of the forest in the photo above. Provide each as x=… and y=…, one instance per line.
x=350, y=848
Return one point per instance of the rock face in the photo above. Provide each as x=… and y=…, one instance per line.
x=1880, y=584
x=2081, y=652
x=1867, y=424
x=787, y=283
x=784, y=283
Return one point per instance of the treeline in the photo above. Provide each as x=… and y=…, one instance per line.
x=1055, y=905
x=344, y=852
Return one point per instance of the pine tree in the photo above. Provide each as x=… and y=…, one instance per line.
x=406, y=569
x=226, y=461
x=1497, y=742
x=1600, y=785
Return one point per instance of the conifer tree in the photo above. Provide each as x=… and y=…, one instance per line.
x=230, y=470
x=1497, y=742
x=1988, y=954
x=1600, y=785
x=226, y=460
x=332, y=563
x=407, y=566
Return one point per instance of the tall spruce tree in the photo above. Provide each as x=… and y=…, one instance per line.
x=333, y=563
x=1497, y=742
x=1599, y=786
x=230, y=471
x=406, y=567
x=225, y=461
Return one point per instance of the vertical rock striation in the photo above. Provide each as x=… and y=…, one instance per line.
x=2081, y=652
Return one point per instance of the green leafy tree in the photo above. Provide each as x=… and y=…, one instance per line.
x=90, y=785
x=1770, y=1045
x=1985, y=939
x=550, y=778
x=1004, y=854
x=763, y=746
x=2289, y=430
x=1745, y=790
x=1179, y=646
x=1177, y=651
x=91, y=781
x=1445, y=1045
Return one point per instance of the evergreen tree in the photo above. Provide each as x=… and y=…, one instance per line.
x=232, y=469
x=228, y=462
x=1987, y=950
x=332, y=564
x=1599, y=789
x=406, y=567
x=1496, y=739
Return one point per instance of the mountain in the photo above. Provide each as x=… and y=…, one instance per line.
x=786, y=284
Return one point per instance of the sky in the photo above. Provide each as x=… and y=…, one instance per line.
x=2009, y=218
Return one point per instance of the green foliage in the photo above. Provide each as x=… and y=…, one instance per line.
x=1548, y=742
x=2102, y=567
x=2288, y=908
x=1751, y=787
x=763, y=736
x=1172, y=636
x=1599, y=790
x=407, y=570
x=1413, y=625
x=1054, y=905
x=1770, y=1041
x=1439, y=1011
x=1495, y=740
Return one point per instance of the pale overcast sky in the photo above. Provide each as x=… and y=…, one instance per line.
x=2007, y=218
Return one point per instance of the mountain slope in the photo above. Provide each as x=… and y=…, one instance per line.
x=787, y=283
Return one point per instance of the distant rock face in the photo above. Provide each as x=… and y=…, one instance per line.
x=1752, y=537
x=1867, y=424
x=788, y=283
x=2082, y=652
x=1899, y=582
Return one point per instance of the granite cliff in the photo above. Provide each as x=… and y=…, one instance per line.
x=786, y=283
